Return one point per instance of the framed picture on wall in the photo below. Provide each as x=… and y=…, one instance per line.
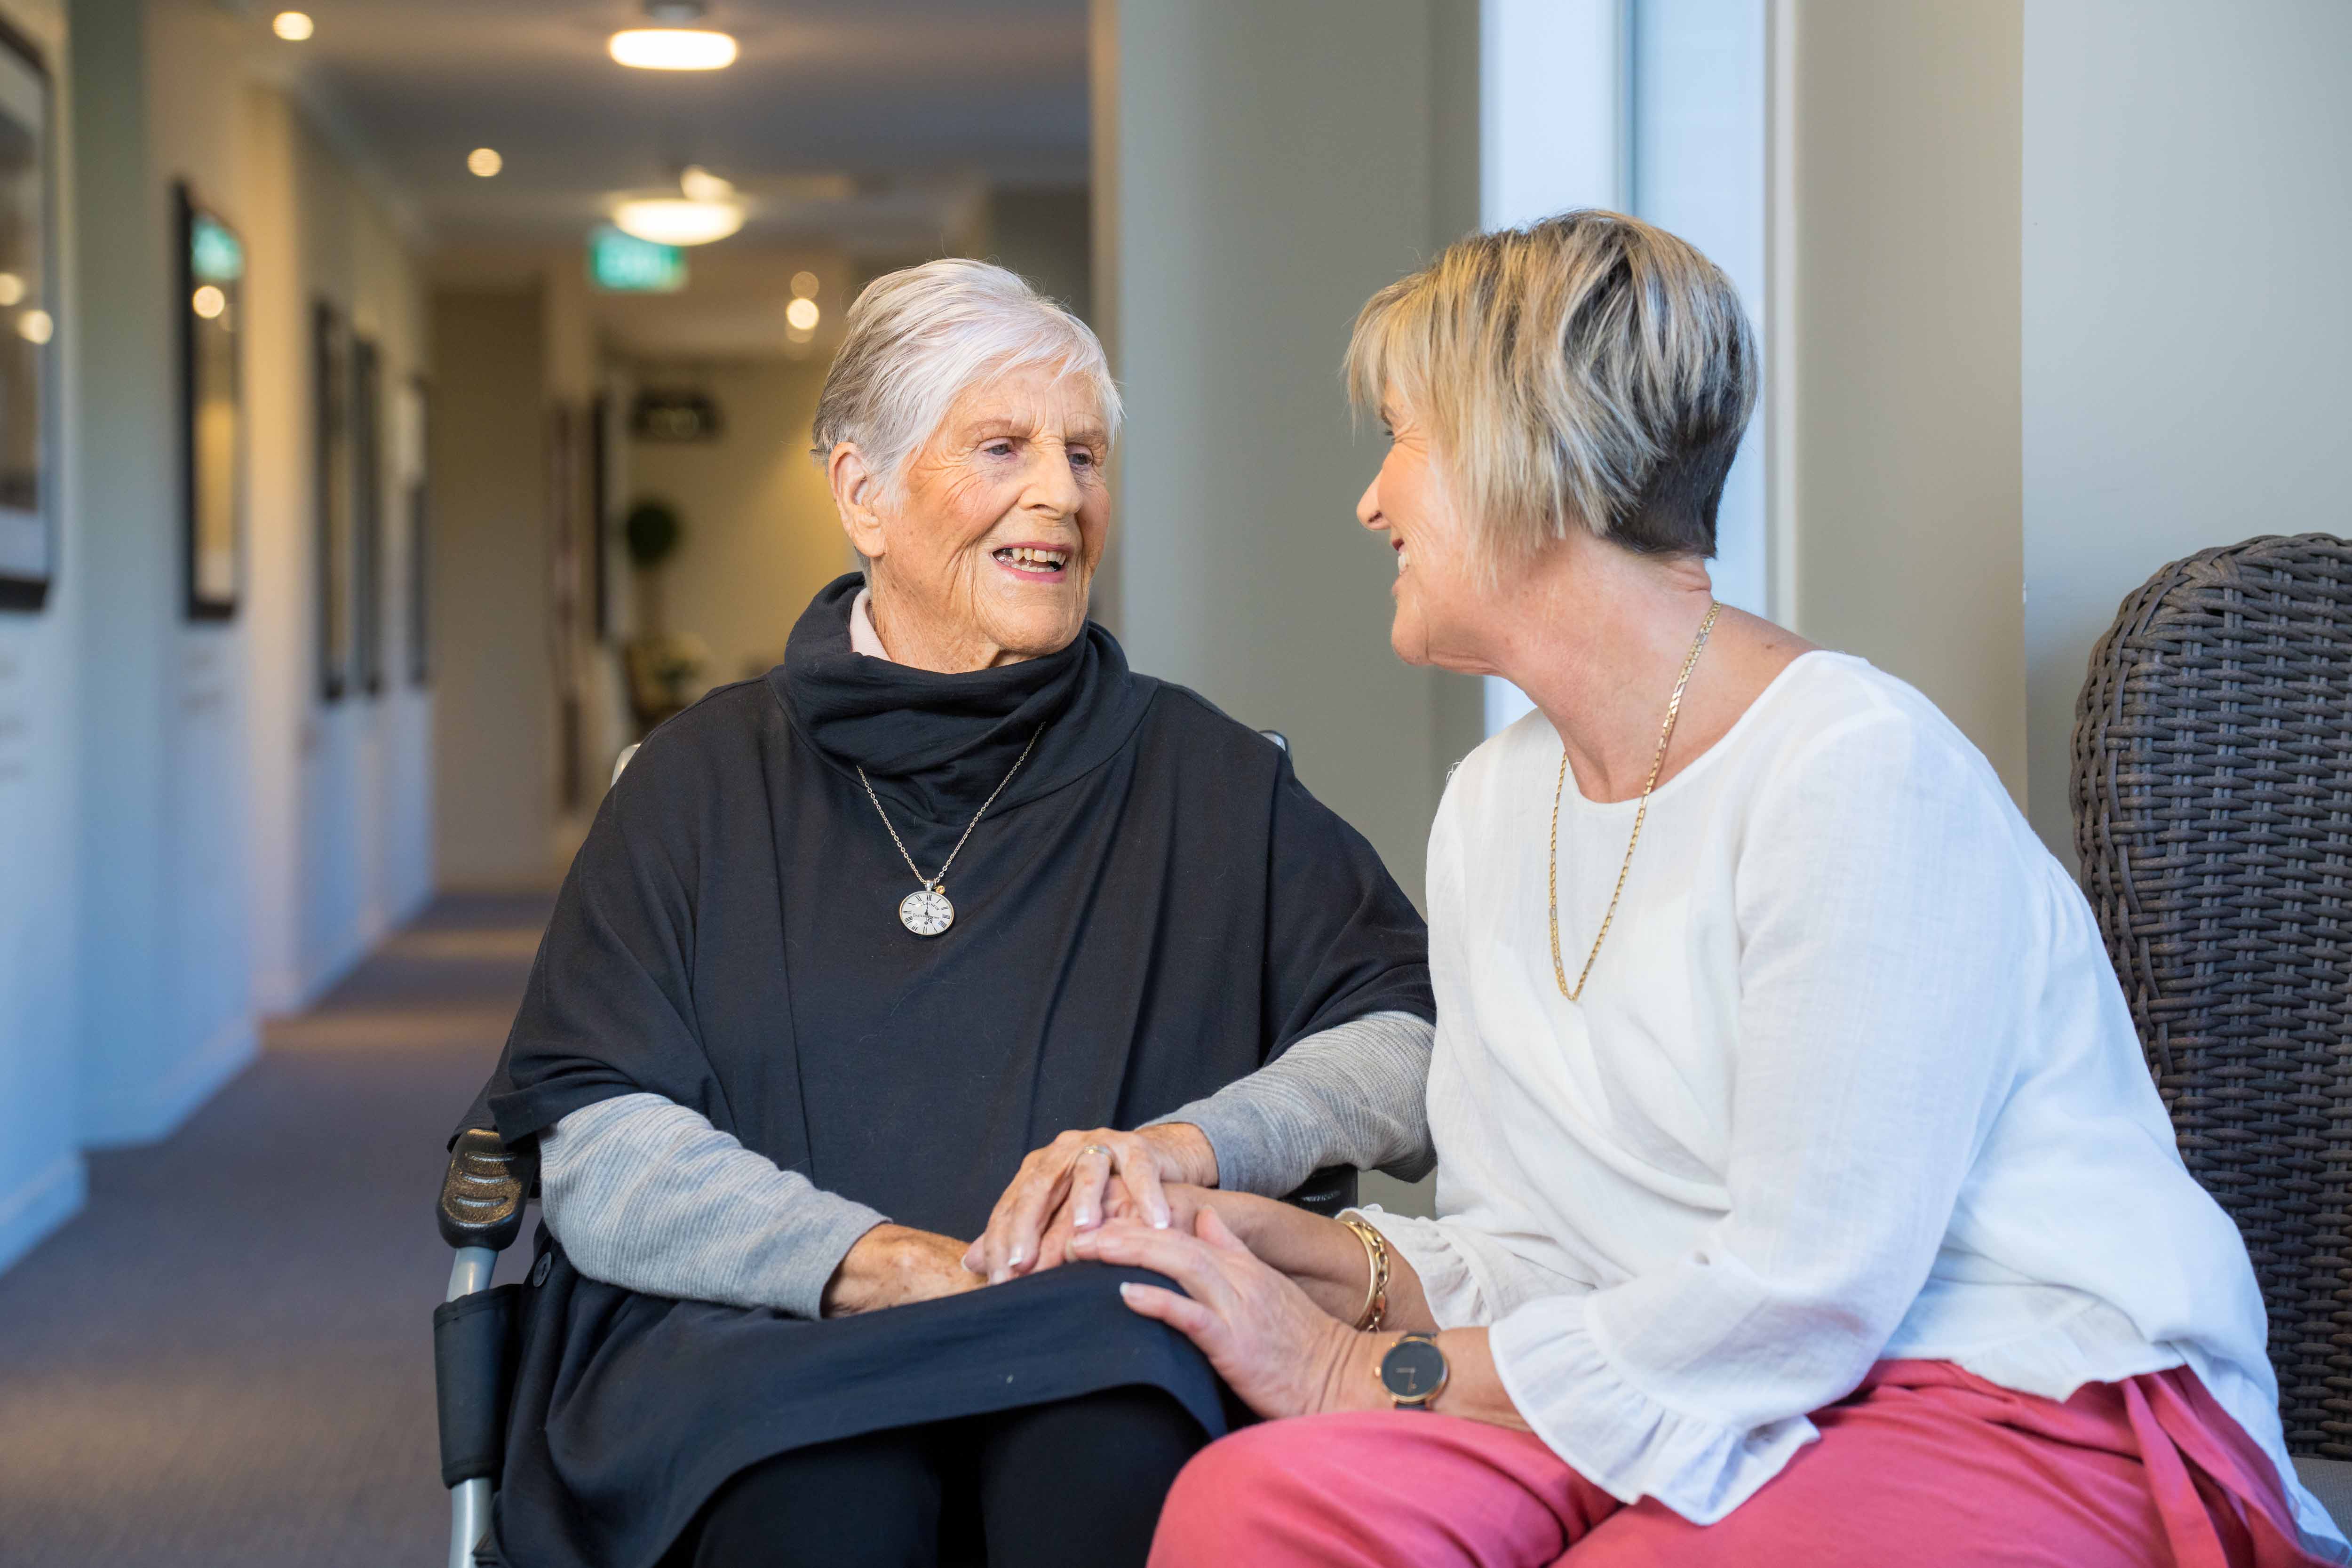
x=211, y=306
x=600, y=513
x=367, y=445
x=336, y=546
x=28, y=535
x=416, y=429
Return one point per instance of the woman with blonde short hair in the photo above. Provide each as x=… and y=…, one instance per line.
x=1804, y=1197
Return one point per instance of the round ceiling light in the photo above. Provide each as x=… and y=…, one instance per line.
x=802, y=314
x=673, y=48
x=668, y=220
x=699, y=185
x=291, y=26
x=485, y=162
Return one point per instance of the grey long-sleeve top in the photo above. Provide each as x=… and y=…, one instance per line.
x=644, y=1194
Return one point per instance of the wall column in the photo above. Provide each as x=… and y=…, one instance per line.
x=1893, y=316
x=1264, y=169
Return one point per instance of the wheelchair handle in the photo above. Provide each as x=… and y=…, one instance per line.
x=484, y=1190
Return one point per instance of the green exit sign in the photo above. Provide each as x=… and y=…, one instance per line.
x=625, y=264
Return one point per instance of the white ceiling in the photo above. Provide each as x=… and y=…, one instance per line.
x=925, y=103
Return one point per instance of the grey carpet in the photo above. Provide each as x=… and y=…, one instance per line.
x=226, y=1359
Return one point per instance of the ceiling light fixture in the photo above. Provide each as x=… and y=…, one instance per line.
x=700, y=184
x=802, y=314
x=208, y=301
x=485, y=162
x=673, y=48
x=803, y=285
x=667, y=220
x=292, y=25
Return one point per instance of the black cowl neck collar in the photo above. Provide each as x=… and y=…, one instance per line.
x=937, y=744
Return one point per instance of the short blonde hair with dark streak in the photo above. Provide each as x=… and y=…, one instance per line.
x=1588, y=369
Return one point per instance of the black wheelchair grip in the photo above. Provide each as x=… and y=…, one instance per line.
x=484, y=1190
x=473, y=1377
x=1328, y=1192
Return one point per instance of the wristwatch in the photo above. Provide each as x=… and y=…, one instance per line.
x=1414, y=1371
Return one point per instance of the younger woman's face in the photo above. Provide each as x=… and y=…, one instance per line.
x=1439, y=598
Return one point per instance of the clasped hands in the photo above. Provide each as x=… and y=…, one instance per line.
x=1071, y=1185
x=1144, y=1200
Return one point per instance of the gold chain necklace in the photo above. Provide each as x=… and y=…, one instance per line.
x=1665, y=733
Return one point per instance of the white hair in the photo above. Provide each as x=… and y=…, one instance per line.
x=918, y=338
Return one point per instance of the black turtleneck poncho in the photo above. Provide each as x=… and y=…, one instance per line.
x=1153, y=907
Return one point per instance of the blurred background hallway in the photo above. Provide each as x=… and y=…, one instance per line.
x=219, y=1361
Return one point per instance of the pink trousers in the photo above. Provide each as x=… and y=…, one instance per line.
x=1923, y=1465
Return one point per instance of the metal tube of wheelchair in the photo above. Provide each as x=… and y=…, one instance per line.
x=469, y=1520
x=469, y=1501
x=471, y=1271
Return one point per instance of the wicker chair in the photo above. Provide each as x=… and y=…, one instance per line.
x=2213, y=803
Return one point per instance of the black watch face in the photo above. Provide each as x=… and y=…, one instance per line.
x=1413, y=1368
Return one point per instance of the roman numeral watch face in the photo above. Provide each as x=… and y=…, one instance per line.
x=926, y=911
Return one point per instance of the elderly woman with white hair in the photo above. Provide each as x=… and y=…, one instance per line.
x=848, y=943
x=1803, y=1196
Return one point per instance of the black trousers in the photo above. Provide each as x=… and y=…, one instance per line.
x=1076, y=1484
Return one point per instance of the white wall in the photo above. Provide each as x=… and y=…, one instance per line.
x=161, y=798
x=41, y=1177
x=1273, y=166
x=2186, y=323
x=165, y=1017
x=1893, y=413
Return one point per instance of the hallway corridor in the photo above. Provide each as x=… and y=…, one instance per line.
x=226, y=1359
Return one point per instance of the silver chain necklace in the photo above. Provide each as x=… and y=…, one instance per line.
x=926, y=911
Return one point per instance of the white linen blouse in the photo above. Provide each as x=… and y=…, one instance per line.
x=1852, y=1079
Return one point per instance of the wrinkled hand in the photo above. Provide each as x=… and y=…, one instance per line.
x=1280, y=1352
x=1066, y=1186
x=892, y=1265
x=1119, y=1202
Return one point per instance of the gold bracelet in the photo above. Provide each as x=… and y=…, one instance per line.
x=1376, y=1262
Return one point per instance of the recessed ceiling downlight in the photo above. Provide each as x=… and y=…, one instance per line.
x=670, y=220
x=673, y=48
x=292, y=25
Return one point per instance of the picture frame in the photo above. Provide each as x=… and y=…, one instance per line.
x=416, y=424
x=365, y=445
x=334, y=538
x=210, y=303
x=28, y=391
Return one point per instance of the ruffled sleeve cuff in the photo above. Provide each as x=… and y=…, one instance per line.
x=1568, y=1390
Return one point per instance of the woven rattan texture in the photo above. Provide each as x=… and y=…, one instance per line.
x=2212, y=798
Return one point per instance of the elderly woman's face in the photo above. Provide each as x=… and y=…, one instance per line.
x=989, y=558
x=1438, y=601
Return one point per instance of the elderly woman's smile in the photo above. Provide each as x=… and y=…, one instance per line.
x=984, y=552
